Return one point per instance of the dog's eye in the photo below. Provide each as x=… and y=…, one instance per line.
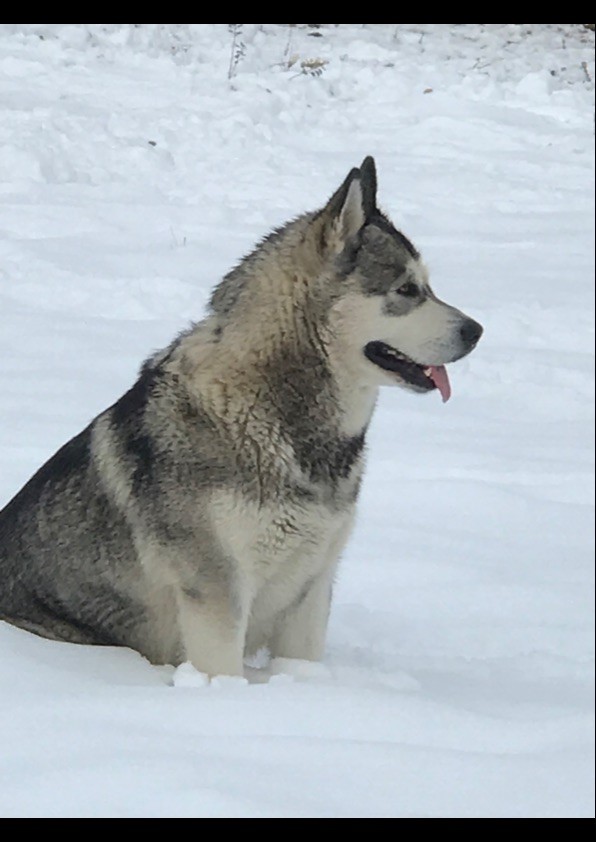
x=408, y=289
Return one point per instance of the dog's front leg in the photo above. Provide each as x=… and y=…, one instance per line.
x=301, y=631
x=212, y=622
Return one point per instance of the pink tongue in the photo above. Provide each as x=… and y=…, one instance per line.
x=439, y=376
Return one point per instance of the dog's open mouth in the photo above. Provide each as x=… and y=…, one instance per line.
x=423, y=377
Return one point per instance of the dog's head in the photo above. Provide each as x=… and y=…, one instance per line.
x=393, y=327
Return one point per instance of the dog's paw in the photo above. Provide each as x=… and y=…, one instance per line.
x=298, y=669
x=187, y=676
x=228, y=682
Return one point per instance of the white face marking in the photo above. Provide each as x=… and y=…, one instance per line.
x=428, y=333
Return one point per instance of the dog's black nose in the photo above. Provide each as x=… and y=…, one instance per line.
x=471, y=332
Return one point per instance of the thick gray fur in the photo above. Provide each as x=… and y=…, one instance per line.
x=202, y=516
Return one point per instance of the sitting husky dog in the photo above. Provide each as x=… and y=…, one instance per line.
x=202, y=516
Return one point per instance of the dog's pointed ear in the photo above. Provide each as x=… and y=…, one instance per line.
x=351, y=207
x=368, y=180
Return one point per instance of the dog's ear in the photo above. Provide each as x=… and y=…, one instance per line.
x=368, y=180
x=351, y=207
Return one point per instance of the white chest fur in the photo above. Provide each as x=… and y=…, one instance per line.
x=265, y=539
x=277, y=551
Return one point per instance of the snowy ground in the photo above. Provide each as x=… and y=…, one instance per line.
x=133, y=173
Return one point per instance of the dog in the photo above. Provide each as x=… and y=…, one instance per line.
x=201, y=517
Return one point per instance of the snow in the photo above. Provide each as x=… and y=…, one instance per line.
x=459, y=670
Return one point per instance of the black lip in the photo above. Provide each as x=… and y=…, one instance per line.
x=390, y=359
